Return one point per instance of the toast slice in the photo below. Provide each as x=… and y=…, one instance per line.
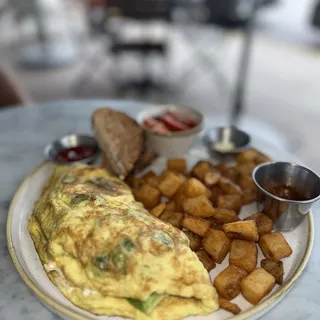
x=120, y=138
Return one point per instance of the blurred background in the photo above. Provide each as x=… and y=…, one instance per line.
x=175, y=51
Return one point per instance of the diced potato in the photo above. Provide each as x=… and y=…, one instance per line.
x=243, y=254
x=264, y=224
x=246, y=182
x=275, y=268
x=199, y=206
x=170, y=184
x=232, y=174
x=194, y=188
x=229, y=306
x=211, y=178
x=257, y=285
x=246, y=156
x=245, y=169
x=152, y=179
x=248, y=196
x=148, y=195
x=262, y=158
x=197, y=225
x=195, y=241
x=158, y=209
x=134, y=182
x=225, y=215
x=171, y=206
x=179, y=198
x=244, y=230
x=217, y=244
x=207, y=262
x=274, y=246
x=215, y=224
x=215, y=193
x=201, y=168
x=174, y=218
x=179, y=165
x=229, y=187
x=222, y=166
x=228, y=282
x=229, y=201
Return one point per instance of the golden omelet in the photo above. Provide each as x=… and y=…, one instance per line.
x=109, y=256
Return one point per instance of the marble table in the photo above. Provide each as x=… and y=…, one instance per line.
x=24, y=132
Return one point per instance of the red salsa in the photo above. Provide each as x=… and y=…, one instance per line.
x=169, y=122
x=76, y=153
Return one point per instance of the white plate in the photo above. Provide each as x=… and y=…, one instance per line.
x=27, y=262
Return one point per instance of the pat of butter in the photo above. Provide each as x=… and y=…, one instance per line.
x=223, y=146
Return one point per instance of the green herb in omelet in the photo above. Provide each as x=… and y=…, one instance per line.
x=149, y=305
x=101, y=262
x=127, y=244
x=80, y=198
x=118, y=260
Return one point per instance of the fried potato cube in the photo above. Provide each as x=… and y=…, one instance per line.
x=229, y=186
x=211, y=178
x=231, y=173
x=275, y=268
x=243, y=254
x=199, y=206
x=158, y=209
x=197, y=225
x=228, y=282
x=217, y=244
x=195, y=241
x=225, y=215
x=179, y=198
x=257, y=285
x=174, y=218
x=274, y=246
x=148, y=195
x=229, y=201
x=194, y=188
x=134, y=182
x=207, y=262
x=170, y=184
x=229, y=306
x=264, y=223
x=152, y=179
x=244, y=230
x=200, y=169
x=248, y=196
x=246, y=182
x=179, y=165
x=215, y=193
x=245, y=169
x=246, y=156
x=215, y=224
x=171, y=206
x=222, y=166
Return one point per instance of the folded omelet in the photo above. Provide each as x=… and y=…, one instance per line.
x=109, y=256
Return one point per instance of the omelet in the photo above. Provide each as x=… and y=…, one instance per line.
x=109, y=256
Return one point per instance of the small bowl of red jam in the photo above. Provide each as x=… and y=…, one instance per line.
x=73, y=148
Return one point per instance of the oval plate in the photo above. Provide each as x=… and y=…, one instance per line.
x=26, y=260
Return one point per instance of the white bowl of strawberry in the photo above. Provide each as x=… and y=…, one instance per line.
x=170, y=129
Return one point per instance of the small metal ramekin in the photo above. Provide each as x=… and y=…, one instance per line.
x=240, y=139
x=286, y=214
x=52, y=150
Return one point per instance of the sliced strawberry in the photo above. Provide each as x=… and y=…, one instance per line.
x=172, y=124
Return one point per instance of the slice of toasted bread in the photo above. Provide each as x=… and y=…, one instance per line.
x=120, y=138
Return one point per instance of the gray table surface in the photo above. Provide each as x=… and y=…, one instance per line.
x=24, y=132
